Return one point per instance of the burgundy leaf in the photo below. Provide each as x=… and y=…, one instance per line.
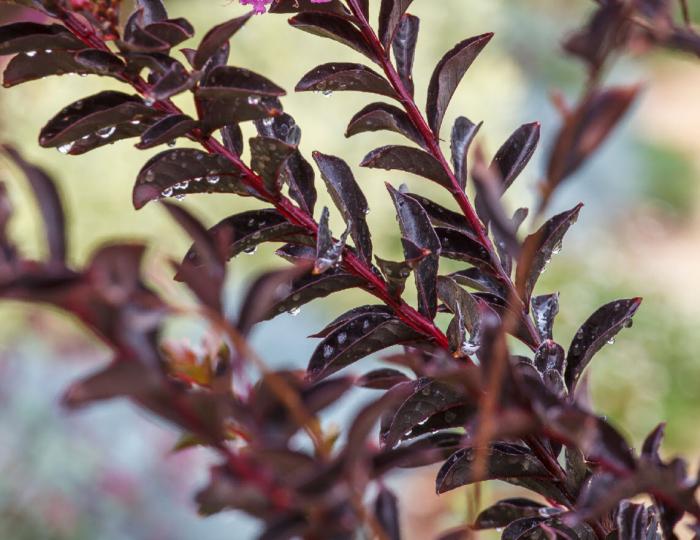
x=341, y=77
x=382, y=379
x=348, y=198
x=348, y=315
x=550, y=356
x=106, y=117
x=166, y=130
x=544, y=310
x=183, y=171
x=282, y=127
x=357, y=338
x=31, y=67
x=30, y=37
x=232, y=138
x=175, y=81
x=404, y=48
x=153, y=11
x=216, y=38
x=463, y=134
x=463, y=247
x=600, y=328
x=335, y=27
x=524, y=528
x=506, y=511
x=515, y=153
x=447, y=76
x=49, y=203
x=416, y=228
x=267, y=157
x=390, y=14
x=538, y=249
x=99, y=61
x=441, y=216
x=295, y=6
x=405, y=158
x=328, y=251
x=386, y=510
x=396, y=273
x=479, y=280
x=298, y=174
x=381, y=116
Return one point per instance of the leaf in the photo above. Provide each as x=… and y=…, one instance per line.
x=382, y=379
x=267, y=157
x=166, y=130
x=538, y=248
x=342, y=77
x=391, y=13
x=544, y=310
x=550, y=356
x=230, y=95
x=49, y=201
x=600, y=328
x=603, y=33
x=175, y=81
x=515, y=153
x=404, y=48
x=328, y=251
x=652, y=444
x=386, y=510
x=355, y=339
x=243, y=232
x=405, y=158
x=512, y=463
x=506, y=511
x=96, y=120
x=232, y=138
x=476, y=279
x=415, y=227
x=348, y=315
x=335, y=27
x=441, y=216
x=23, y=68
x=463, y=133
x=447, y=75
x=295, y=6
x=282, y=127
x=183, y=171
x=381, y=116
x=153, y=11
x=635, y=521
x=349, y=199
x=524, y=528
x=428, y=399
x=29, y=37
x=99, y=61
x=215, y=38
x=463, y=247
x=310, y=287
x=298, y=174
x=396, y=273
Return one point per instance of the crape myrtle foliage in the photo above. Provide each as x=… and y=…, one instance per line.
x=456, y=396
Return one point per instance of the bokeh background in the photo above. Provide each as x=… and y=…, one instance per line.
x=108, y=473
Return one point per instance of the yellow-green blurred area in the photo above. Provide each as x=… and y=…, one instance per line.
x=638, y=235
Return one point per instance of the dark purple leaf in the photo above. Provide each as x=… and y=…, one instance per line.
x=357, y=338
x=635, y=521
x=463, y=247
x=447, y=76
x=538, y=249
x=506, y=511
x=348, y=315
x=23, y=67
x=106, y=117
x=550, y=356
x=652, y=444
x=348, y=198
x=433, y=448
x=604, y=32
x=390, y=14
x=216, y=38
x=298, y=174
x=175, y=81
x=295, y=6
x=183, y=171
x=49, y=202
x=30, y=37
x=512, y=463
x=480, y=281
x=382, y=379
x=171, y=31
x=386, y=510
x=381, y=116
x=441, y=216
x=232, y=138
x=544, y=311
x=463, y=133
x=404, y=48
x=328, y=251
x=341, y=77
x=166, y=130
x=429, y=399
x=292, y=296
x=396, y=273
x=267, y=155
x=515, y=153
x=523, y=528
x=153, y=11
x=416, y=228
x=408, y=159
x=600, y=328
x=99, y=61
x=335, y=27
x=282, y=127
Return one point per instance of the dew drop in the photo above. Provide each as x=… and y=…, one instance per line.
x=425, y=391
x=327, y=351
x=135, y=122
x=611, y=341
x=149, y=176
x=30, y=54
x=180, y=196
x=365, y=325
x=629, y=323
x=268, y=121
x=326, y=93
x=342, y=337
x=251, y=222
x=214, y=179
x=184, y=184
x=48, y=51
x=84, y=137
x=253, y=100
x=149, y=100
x=250, y=250
x=65, y=148
x=106, y=132
x=167, y=192
x=296, y=297
x=294, y=311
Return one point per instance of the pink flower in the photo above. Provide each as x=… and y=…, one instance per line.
x=259, y=5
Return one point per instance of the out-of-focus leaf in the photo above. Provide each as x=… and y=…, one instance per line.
x=357, y=338
x=342, y=77
x=390, y=14
x=408, y=159
x=386, y=510
x=544, y=311
x=165, y=130
x=381, y=116
x=463, y=133
x=348, y=198
x=416, y=228
x=215, y=38
x=652, y=444
x=335, y=27
x=184, y=171
x=538, y=249
x=404, y=48
x=600, y=328
x=506, y=511
x=348, y=315
x=382, y=379
x=447, y=75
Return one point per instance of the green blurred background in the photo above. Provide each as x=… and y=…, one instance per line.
x=107, y=473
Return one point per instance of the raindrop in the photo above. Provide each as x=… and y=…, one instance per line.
x=268, y=121
x=294, y=311
x=65, y=148
x=167, y=192
x=184, y=184
x=253, y=100
x=31, y=53
x=327, y=93
x=135, y=122
x=296, y=297
x=149, y=100
x=365, y=325
x=214, y=179
x=557, y=248
x=180, y=196
x=250, y=250
x=197, y=179
x=342, y=337
x=106, y=132
x=150, y=175
x=425, y=391
x=611, y=341
x=629, y=323
x=547, y=511
x=48, y=51
x=85, y=137
x=327, y=351
x=170, y=144
x=251, y=222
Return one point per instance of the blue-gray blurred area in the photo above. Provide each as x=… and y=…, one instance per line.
x=107, y=472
